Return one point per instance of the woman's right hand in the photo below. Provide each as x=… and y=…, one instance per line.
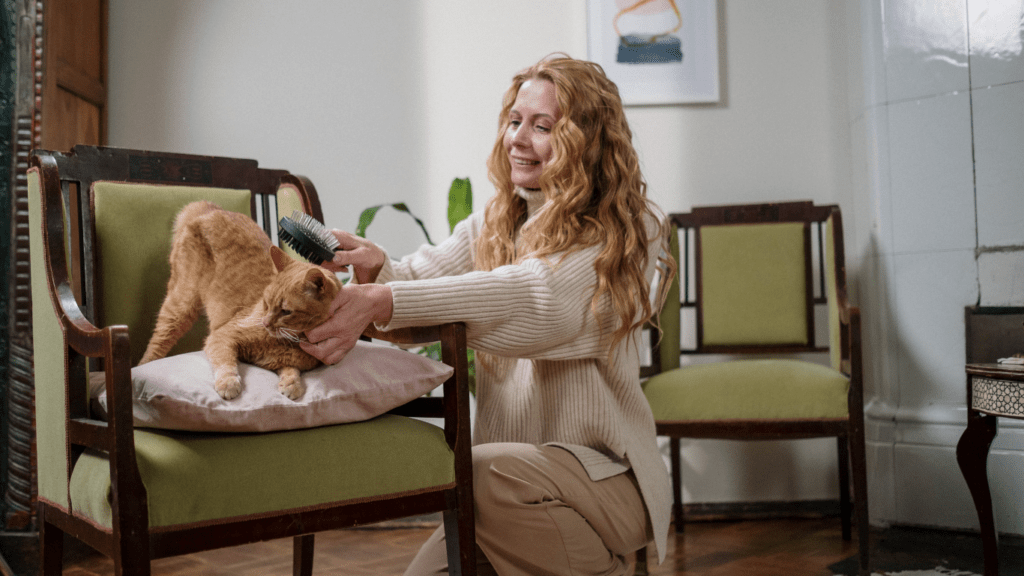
x=365, y=257
x=352, y=310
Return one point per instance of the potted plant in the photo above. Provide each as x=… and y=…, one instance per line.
x=460, y=205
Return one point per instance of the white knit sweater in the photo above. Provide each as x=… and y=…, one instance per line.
x=547, y=378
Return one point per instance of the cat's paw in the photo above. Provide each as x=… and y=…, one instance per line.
x=291, y=386
x=229, y=386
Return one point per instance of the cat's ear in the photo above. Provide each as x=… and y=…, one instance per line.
x=281, y=260
x=315, y=280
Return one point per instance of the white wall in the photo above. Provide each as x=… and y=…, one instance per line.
x=387, y=101
x=937, y=115
x=331, y=90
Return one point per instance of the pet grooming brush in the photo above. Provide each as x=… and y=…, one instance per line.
x=308, y=237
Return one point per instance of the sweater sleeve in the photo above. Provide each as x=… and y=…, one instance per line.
x=452, y=257
x=539, y=308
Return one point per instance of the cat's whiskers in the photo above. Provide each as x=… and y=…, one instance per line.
x=289, y=334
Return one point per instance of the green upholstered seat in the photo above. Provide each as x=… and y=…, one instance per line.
x=776, y=389
x=202, y=478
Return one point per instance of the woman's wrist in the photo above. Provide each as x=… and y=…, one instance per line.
x=369, y=275
x=379, y=299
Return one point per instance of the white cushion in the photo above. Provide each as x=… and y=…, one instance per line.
x=177, y=392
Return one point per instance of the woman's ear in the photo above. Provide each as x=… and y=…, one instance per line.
x=281, y=260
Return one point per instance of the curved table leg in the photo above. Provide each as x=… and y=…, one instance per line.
x=972, y=456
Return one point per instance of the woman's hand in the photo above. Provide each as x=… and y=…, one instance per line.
x=365, y=257
x=353, y=309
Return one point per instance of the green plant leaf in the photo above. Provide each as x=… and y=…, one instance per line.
x=460, y=202
x=367, y=216
x=365, y=219
x=460, y=205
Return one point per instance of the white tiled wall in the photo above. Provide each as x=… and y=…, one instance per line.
x=999, y=165
x=931, y=290
x=930, y=173
x=996, y=42
x=938, y=129
x=925, y=48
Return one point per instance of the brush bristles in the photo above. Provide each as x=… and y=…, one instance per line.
x=317, y=230
x=309, y=238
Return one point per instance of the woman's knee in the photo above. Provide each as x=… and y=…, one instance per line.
x=501, y=473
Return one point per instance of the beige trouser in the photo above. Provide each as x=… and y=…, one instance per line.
x=538, y=513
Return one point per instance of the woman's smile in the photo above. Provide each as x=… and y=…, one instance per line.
x=528, y=135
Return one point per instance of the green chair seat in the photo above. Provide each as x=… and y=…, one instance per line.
x=195, y=478
x=777, y=389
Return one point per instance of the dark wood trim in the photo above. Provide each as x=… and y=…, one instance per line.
x=753, y=429
x=164, y=544
x=733, y=511
x=753, y=349
x=809, y=285
x=996, y=371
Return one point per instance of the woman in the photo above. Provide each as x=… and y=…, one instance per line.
x=552, y=281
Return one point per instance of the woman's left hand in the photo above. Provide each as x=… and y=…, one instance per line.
x=353, y=309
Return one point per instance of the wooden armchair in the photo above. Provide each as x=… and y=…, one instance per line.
x=92, y=311
x=750, y=279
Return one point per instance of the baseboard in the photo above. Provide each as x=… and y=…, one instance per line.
x=718, y=511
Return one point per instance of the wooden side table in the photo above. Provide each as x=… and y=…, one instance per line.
x=993, y=390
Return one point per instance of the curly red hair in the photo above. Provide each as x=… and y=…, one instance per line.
x=595, y=191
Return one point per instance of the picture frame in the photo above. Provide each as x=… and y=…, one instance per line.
x=657, y=51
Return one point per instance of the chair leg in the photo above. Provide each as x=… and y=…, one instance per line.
x=858, y=452
x=641, y=563
x=302, y=555
x=51, y=547
x=460, y=531
x=677, y=484
x=842, y=445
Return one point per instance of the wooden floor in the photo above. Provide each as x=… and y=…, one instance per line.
x=798, y=547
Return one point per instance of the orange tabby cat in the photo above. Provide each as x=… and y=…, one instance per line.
x=257, y=299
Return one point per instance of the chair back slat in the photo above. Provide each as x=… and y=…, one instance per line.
x=669, y=320
x=835, y=289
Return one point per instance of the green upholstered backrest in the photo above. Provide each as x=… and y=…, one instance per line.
x=754, y=284
x=133, y=242
x=288, y=200
x=669, y=319
x=832, y=293
x=49, y=364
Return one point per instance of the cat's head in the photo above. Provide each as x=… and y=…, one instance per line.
x=298, y=298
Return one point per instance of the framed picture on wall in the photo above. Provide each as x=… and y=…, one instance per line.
x=657, y=51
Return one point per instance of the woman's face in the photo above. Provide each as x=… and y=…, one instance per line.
x=528, y=136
